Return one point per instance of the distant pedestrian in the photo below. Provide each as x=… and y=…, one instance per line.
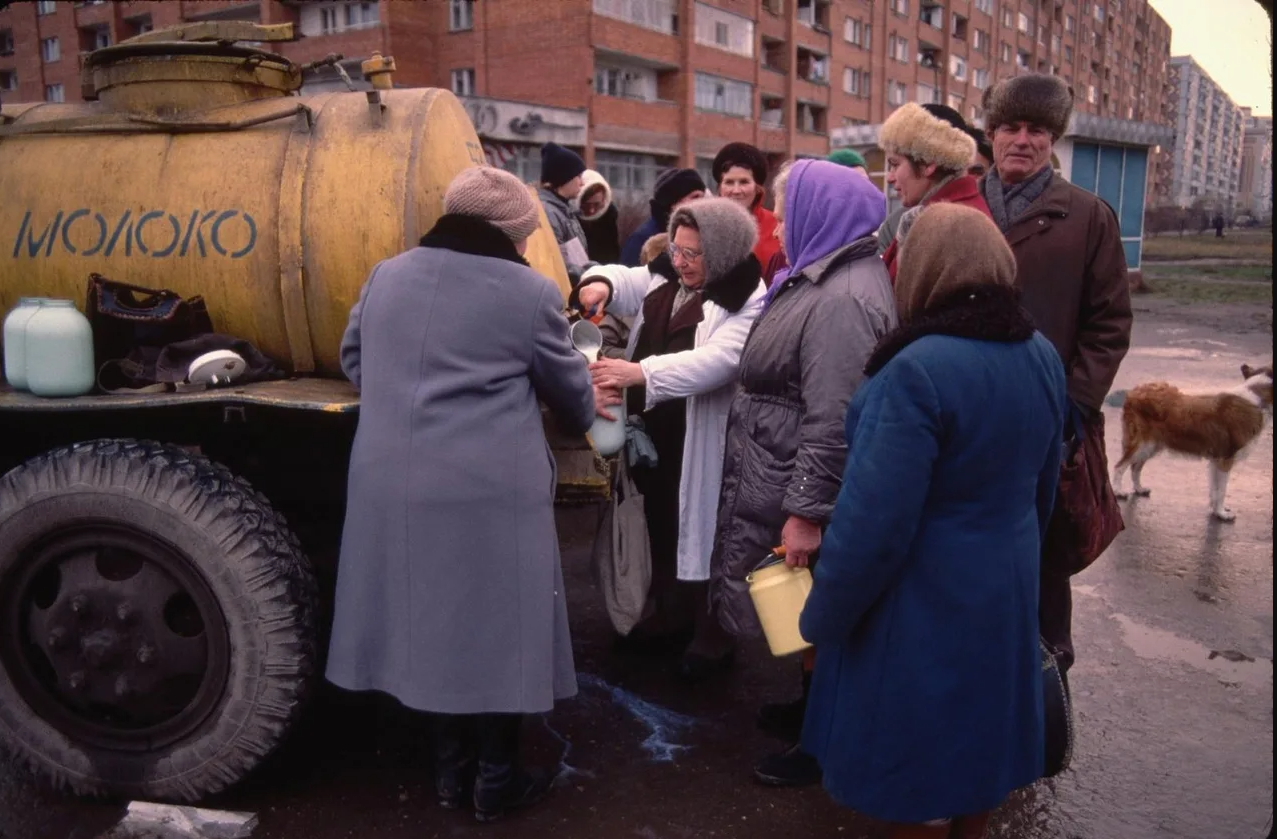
x=1218, y=223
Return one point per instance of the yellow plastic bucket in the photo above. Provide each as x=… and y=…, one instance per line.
x=779, y=593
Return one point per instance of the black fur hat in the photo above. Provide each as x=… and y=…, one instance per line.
x=743, y=155
x=1037, y=98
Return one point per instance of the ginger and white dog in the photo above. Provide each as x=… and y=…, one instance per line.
x=1214, y=426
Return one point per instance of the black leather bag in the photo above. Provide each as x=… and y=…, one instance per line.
x=127, y=317
x=1058, y=714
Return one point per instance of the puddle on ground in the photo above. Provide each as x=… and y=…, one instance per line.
x=1228, y=665
x=662, y=724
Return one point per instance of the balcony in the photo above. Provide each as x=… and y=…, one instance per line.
x=656, y=15
x=813, y=66
x=775, y=55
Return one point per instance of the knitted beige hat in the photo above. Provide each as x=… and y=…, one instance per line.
x=495, y=196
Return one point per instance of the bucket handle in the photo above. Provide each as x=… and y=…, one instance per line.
x=776, y=556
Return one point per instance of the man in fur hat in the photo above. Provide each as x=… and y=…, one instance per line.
x=1071, y=270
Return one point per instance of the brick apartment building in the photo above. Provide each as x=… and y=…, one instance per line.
x=1209, y=130
x=639, y=85
x=1255, y=189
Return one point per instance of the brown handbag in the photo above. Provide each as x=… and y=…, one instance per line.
x=1087, y=518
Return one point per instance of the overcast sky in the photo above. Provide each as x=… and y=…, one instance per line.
x=1229, y=39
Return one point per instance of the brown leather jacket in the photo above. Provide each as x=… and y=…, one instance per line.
x=1072, y=272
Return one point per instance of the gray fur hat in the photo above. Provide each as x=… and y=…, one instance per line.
x=728, y=232
x=1037, y=98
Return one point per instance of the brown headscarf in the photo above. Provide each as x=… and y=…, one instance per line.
x=950, y=246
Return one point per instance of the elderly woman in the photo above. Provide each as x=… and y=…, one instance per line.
x=785, y=445
x=740, y=170
x=693, y=307
x=435, y=605
x=929, y=150
x=926, y=704
x=599, y=218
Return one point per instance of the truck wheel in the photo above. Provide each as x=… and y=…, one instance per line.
x=157, y=621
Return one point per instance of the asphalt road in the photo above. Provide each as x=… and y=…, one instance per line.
x=1173, y=690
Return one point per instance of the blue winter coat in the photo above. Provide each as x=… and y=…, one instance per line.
x=634, y=244
x=926, y=701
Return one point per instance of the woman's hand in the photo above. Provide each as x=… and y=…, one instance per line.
x=801, y=539
x=616, y=373
x=592, y=296
x=603, y=398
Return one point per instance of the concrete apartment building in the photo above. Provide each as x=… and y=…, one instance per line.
x=639, y=85
x=1255, y=186
x=1206, y=159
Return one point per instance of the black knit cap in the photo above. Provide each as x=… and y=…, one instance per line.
x=982, y=145
x=671, y=187
x=743, y=155
x=559, y=165
x=949, y=115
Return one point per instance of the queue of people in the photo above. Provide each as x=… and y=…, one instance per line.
x=892, y=411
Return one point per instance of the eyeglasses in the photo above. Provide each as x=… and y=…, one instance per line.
x=688, y=255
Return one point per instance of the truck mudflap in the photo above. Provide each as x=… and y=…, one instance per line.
x=583, y=474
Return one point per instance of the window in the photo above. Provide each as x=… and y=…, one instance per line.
x=1022, y=23
x=50, y=50
x=6, y=42
x=724, y=96
x=8, y=79
x=977, y=116
x=955, y=101
x=1008, y=18
x=1022, y=59
x=898, y=48
x=1005, y=53
x=855, y=82
x=724, y=30
x=633, y=175
x=980, y=40
x=897, y=93
x=625, y=82
x=46, y=7
x=460, y=15
x=814, y=13
x=932, y=16
x=927, y=95
x=856, y=32
x=54, y=93
x=811, y=118
x=985, y=6
x=980, y=79
x=958, y=67
x=361, y=15
x=1055, y=43
x=813, y=66
x=328, y=20
x=463, y=81
x=657, y=15
x=959, y=27
x=900, y=7
x=1068, y=53
x=1099, y=12
x=1090, y=93
x=94, y=38
x=776, y=7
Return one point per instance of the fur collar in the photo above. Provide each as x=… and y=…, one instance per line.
x=733, y=289
x=468, y=234
x=662, y=265
x=981, y=312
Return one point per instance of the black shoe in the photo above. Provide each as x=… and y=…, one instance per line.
x=791, y=768
x=783, y=720
x=693, y=668
x=502, y=784
x=454, y=759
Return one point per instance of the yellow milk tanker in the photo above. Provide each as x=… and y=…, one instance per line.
x=164, y=556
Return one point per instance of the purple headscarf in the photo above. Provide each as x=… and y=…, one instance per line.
x=827, y=207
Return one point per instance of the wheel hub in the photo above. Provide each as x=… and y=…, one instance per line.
x=113, y=636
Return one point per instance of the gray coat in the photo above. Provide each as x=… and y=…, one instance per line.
x=786, y=444
x=566, y=225
x=449, y=591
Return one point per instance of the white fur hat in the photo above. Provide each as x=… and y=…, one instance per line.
x=920, y=134
x=591, y=179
